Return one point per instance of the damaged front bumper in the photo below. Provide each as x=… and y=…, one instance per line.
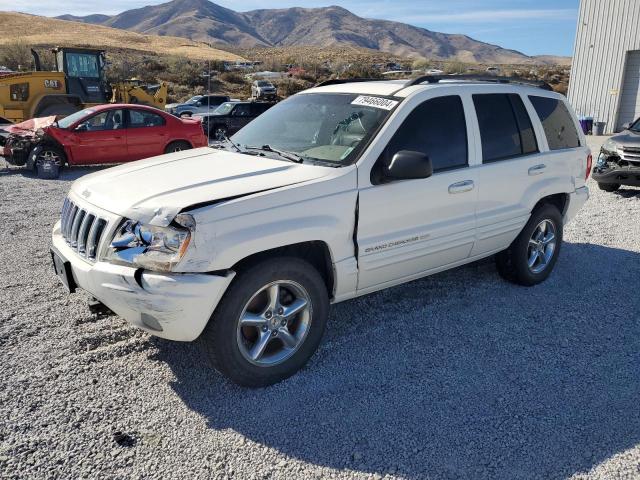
x=612, y=169
x=171, y=306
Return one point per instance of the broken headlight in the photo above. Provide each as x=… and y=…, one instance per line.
x=149, y=246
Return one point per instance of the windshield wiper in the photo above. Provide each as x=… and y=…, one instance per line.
x=230, y=142
x=293, y=157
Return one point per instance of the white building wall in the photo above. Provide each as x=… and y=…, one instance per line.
x=607, y=31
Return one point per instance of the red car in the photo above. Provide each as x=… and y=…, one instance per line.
x=97, y=135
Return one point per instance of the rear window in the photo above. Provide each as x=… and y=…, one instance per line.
x=557, y=122
x=505, y=127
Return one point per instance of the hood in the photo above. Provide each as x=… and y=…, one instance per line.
x=29, y=128
x=155, y=190
x=169, y=106
x=627, y=139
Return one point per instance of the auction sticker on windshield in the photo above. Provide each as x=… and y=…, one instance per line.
x=375, y=102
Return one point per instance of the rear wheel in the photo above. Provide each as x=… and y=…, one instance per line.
x=177, y=147
x=533, y=254
x=269, y=322
x=47, y=161
x=609, y=187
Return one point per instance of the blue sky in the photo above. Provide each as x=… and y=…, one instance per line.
x=530, y=26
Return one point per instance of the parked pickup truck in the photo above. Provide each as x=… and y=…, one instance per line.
x=336, y=192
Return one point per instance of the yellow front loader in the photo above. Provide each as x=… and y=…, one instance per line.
x=78, y=82
x=134, y=91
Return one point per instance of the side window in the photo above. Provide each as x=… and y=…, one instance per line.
x=109, y=120
x=436, y=128
x=242, y=111
x=557, y=122
x=505, y=127
x=141, y=119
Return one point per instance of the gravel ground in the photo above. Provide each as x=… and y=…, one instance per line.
x=459, y=375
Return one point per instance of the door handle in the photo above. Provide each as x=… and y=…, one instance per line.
x=461, y=187
x=537, y=169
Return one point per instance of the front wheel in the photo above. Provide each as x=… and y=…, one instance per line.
x=533, y=254
x=269, y=323
x=220, y=132
x=47, y=161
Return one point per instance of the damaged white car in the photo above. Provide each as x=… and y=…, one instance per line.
x=339, y=191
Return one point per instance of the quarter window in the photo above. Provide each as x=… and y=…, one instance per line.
x=505, y=127
x=557, y=122
x=436, y=128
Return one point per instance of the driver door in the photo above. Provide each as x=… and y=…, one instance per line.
x=101, y=138
x=410, y=228
x=240, y=116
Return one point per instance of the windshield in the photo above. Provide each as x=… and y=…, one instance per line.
x=635, y=126
x=224, y=109
x=319, y=126
x=194, y=99
x=66, y=122
x=264, y=83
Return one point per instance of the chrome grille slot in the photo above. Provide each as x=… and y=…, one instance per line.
x=630, y=154
x=81, y=229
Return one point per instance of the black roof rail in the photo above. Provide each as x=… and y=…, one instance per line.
x=478, y=78
x=340, y=81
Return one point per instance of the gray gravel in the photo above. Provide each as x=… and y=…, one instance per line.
x=460, y=375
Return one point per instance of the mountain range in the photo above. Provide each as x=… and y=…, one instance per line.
x=205, y=21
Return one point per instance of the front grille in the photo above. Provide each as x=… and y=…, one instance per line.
x=82, y=229
x=630, y=154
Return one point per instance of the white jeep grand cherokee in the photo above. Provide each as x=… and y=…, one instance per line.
x=339, y=191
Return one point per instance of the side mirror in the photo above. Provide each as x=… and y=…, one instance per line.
x=408, y=165
x=626, y=126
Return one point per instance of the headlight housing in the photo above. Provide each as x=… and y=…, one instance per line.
x=149, y=246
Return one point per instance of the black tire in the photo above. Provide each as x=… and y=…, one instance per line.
x=177, y=146
x=47, y=160
x=513, y=263
x=60, y=109
x=609, y=187
x=218, y=132
x=223, y=338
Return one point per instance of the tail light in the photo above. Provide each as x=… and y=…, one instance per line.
x=589, y=165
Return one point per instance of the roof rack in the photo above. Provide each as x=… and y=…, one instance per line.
x=340, y=81
x=478, y=78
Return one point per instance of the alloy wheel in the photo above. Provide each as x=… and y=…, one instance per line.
x=542, y=246
x=49, y=157
x=274, y=323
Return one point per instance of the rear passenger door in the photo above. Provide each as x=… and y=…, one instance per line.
x=409, y=228
x=514, y=171
x=147, y=134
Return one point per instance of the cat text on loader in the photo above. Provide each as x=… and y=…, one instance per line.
x=78, y=82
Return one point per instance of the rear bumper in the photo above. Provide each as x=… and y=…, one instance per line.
x=179, y=304
x=577, y=200
x=623, y=175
